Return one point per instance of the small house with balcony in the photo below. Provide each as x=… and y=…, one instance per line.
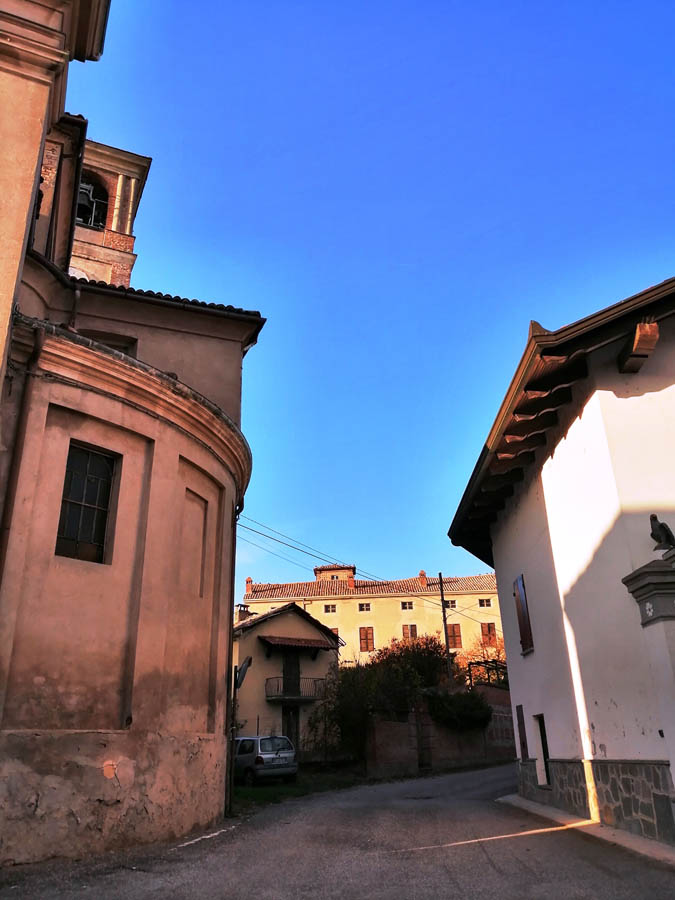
x=292, y=655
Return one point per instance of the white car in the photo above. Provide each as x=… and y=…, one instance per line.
x=271, y=756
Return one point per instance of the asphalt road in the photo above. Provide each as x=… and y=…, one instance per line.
x=427, y=838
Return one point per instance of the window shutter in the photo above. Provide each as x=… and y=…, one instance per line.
x=523, y=613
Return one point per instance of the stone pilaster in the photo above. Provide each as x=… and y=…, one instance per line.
x=653, y=588
x=37, y=40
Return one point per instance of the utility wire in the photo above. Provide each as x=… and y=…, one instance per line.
x=285, y=543
x=288, y=537
x=278, y=555
x=325, y=558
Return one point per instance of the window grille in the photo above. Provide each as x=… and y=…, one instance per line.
x=85, y=504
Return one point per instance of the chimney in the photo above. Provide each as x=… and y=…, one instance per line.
x=243, y=612
x=249, y=583
x=350, y=581
x=423, y=579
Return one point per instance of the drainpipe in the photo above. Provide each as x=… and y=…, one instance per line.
x=73, y=310
x=15, y=466
x=20, y=440
x=230, y=693
x=77, y=176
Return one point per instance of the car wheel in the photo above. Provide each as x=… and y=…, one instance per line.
x=249, y=777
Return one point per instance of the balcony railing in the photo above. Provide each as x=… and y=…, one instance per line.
x=489, y=672
x=308, y=689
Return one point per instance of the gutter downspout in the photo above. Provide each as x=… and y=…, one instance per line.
x=73, y=309
x=230, y=692
x=19, y=442
x=15, y=466
x=76, y=192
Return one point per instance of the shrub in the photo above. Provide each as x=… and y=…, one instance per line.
x=463, y=711
x=425, y=656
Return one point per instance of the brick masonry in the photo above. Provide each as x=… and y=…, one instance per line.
x=420, y=744
x=634, y=796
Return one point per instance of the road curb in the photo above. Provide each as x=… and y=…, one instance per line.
x=654, y=850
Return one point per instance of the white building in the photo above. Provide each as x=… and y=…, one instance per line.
x=579, y=456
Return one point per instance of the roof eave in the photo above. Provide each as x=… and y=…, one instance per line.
x=540, y=343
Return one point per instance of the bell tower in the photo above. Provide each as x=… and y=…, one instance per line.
x=111, y=185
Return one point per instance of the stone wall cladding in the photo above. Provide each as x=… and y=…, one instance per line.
x=528, y=785
x=567, y=789
x=71, y=794
x=637, y=796
x=568, y=786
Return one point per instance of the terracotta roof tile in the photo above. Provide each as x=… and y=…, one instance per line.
x=157, y=295
x=254, y=620
x=327, y=588
x=282, y=641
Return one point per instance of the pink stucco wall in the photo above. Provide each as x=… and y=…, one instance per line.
x=113, y=674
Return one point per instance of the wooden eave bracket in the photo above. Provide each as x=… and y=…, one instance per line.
x=503, y=466
x=510, y=449
x=558, y=378
x=530, y=409
x=497, y=483
x=639, y=347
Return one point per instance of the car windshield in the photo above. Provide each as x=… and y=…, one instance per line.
x=274, y=744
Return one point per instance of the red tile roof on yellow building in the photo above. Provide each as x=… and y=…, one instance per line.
x=331, y=567
x=326, y=588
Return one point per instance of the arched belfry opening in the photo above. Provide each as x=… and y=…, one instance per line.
x=92, y=201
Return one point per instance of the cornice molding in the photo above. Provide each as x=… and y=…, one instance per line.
x=116, y=161
x=85, y=364
x=31, y=50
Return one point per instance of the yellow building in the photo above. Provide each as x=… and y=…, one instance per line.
x=368, y=614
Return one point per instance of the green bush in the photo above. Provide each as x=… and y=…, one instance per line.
x=389, y=685
x=463, y=711
x=424, y=656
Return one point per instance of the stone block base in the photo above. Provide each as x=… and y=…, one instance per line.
x=567, y=789
x=637, y=796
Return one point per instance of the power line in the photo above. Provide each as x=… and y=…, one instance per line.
x=285, y=543
x=288, y=537
x=278, y=555
x=325, y=558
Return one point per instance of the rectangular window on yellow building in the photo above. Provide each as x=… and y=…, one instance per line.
x=366, y=639
x=455, y=637
x=488, y=633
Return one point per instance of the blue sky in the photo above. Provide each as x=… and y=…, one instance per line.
x=399, y=187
